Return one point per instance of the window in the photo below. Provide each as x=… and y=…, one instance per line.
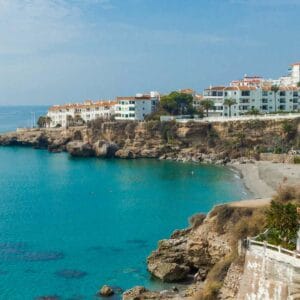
x=245, y=93
x=244, y=100
x=282, y=93
x=265, y=93
x=132, y=108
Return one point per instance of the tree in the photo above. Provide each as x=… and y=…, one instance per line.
x=78, y=120
x=282, y=221
x=207, y=105
x=70, y=121
x=229, y=102
x=275, y=89
x=43, y=121
x=298, y=84
x=177, y=103
x=252, y=111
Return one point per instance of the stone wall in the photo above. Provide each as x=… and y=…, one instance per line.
x=268, y=274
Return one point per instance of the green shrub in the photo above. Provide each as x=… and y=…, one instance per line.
x=282, y=220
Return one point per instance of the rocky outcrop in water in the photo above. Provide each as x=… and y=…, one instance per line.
x=106, y=291
x=204, y=257
x=188, y=252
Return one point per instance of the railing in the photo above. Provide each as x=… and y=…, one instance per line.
x=240, y=118
x=279, y=249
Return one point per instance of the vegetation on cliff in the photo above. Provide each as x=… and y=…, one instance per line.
x=280, y=219
x=175, y=103
x=210, y=249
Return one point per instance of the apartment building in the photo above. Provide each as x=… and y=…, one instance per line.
x=247, y=98
x=63, y=115
x=136, y=107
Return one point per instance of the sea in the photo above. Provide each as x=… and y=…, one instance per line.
x=70, y=225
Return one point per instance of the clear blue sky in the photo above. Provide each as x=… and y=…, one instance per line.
x=56, y=51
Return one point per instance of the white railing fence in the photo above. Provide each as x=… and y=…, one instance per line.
x=279, y=249
x=234, y=118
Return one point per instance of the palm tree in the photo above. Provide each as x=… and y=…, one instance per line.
x=41, y=122
x=229, y=102
x=275, y=89
x=207, y=105
x=48, y=121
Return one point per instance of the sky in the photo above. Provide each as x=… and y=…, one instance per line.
x=58, y=51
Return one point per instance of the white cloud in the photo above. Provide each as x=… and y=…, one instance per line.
x=28, y=26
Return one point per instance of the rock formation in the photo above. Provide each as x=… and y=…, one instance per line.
x=197, y=142
x=204, y=254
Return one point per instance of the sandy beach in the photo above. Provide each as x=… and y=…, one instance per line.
x=262, y=178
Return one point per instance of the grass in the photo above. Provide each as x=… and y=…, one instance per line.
x=288, y=193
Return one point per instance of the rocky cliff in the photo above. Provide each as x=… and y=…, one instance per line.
x=204, y=256
x=194, y=141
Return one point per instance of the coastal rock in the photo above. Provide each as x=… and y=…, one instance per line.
x=217, y=143
x=125, y=153
x=79, y=148
x=106, y=291
x=169, y=262
x=105, y=149
x=168, y=271
x=141, y=293
x=189, y=251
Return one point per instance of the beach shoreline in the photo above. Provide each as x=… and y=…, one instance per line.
x=263, y=178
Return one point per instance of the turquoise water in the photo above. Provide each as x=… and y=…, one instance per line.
x=100, y=218
x=68, y=226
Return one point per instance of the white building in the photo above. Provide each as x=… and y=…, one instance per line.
x=137, y=107
x=295, y=73
x=253, y=81
x=257, y=93
x=63, y=115
x=247, y=98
